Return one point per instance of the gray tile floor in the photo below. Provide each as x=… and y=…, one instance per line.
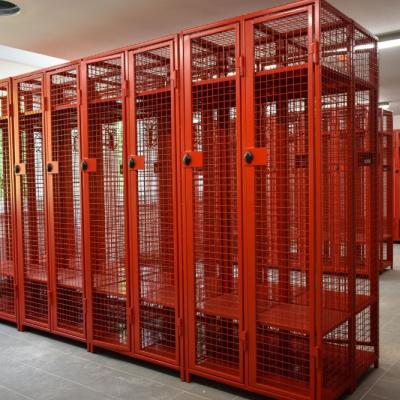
x=34, y=366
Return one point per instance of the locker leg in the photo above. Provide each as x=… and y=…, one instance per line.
x=90, y=347
x=20, y=327
x=376, y=364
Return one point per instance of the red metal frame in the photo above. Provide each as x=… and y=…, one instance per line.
x=227, y=185
x=8, y=270
x=31, y=212
x=103, y=146
x=153, y=211
x=385, y=132
x=64, y=201
x=396, y=185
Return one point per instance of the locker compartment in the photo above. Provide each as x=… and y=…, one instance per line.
x=102, y=163
x=29, y=159
x=64, y=195
x=213, y=253
x=396, y=185
x=7, y=266
x=385, y=122
x=152, y=170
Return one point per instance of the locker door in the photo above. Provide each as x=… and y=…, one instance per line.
x=211, y=160
x=31, y=204
x=152, y=181
x=64, y=200
x=276, y=187
x=103, y=149
x=8, y=278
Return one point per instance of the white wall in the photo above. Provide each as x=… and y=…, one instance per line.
x=396, y=121
x=10, y=68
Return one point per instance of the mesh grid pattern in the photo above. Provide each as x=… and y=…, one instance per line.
x=106, y=201
x=155, y=201
x=7, y=303
x=67, y=200
x=396, y=185
x=386, y=182
x=281, y=201
x=33, y=200
x=349, y=158
x=216, y=270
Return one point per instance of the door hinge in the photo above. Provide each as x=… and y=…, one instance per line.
x=315, y=52
x=46, y=103
x=126, y=88
x=50, y=297
x=16, y=290
x=174, y=79
x=245, y=340
x=131, y=316
x=318, y=358
x=10, y=110
x=85, y=306
x=80, y=97
x=179, y=327
x=241, y=66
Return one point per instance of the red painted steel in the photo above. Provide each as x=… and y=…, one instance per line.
x=385, y=132
x=396, y=185
x=216, y=333
x=64, y=200
x=153, y=202
x=230, y=218
x=8, y=272
x=29, y=149
x=104, y=201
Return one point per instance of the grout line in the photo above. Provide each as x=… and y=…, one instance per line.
x=15, y=392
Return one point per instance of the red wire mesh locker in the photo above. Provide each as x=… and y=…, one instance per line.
x=347, y=240
x=211, y=177
x=153, y=243
x=31, y=200
x=64, y=200
x=396, y=185
x=103, y=150
x=276, y=177
x=8, y=278
x=385, y=119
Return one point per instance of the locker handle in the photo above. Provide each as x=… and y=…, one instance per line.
x=136, y=162
x=193, y=159
x=255, y=156
x=19, y=169
x=187, y=159
x=131, y=163
x=248, y=157
x=84, y=165
x=49, y=167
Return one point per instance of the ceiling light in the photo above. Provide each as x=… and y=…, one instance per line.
x=388, y=44
x=384, y=105
x=8, y=8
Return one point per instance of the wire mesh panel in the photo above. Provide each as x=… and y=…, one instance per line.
x=7, y=266
x=64, y=192
x=212, y=128
x=155, y=239
x=29, y=145
x=348, y=162
x=385, y=122
x=396, y=185
x=276, y=183
x=106, y=206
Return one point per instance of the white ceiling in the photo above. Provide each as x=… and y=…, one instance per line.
x=75, y=28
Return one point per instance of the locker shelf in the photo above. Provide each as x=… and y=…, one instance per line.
x=226, y=306
x=7, y=268
x=162, y=295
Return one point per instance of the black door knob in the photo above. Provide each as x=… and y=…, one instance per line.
x=187, y=159
x=84, y=165
x=131, y=163
x=17, y=169
x=49, y=167
x=248, y=157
